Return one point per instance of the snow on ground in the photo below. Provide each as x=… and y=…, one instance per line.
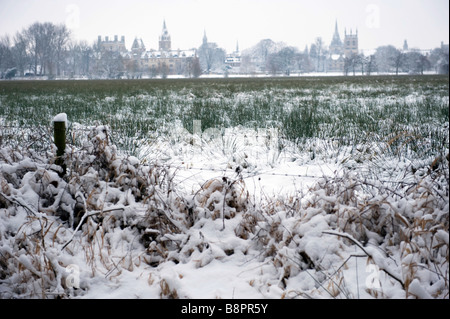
x=256, y=156
x=233, y=217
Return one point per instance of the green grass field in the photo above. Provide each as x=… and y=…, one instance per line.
x=411, y=113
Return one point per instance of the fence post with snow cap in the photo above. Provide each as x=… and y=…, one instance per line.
x=59, y=132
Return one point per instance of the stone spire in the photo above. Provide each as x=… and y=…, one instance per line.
x=164, y=39
x=205, y=39
x=336, y=46
x=336, y=38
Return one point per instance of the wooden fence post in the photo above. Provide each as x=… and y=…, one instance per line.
x=59, y=127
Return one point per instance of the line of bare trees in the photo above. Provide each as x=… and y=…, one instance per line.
x=278, y=58
x=38, y=49
x=390, y=59
x=48, y=49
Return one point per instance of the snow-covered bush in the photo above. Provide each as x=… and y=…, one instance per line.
x=110, y=216
x=220, y=198
x=48, y=221
x=403, y=232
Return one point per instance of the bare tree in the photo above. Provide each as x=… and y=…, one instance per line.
x=416, y=62
x=264, y=49
x=362, y=62
x=439, y=60
x=313, y=55
x=110, y=64
x=398, y=60
x=60, y=38
x=247, y=65
x=6, y=58
x=45, y=44
x=356, y=60
x=19, y=53
x=192, y=67
x=273, y=64
x=389, y=58
x=319, y=46
x=211, y=56
x=196, y=69
x=371, y=64
x=47, y=38
x=32, y=37
x=350, y=63
x=286, y=60
x=164, y=70
x=78, y=58
x=260, y=53
x=423, y=63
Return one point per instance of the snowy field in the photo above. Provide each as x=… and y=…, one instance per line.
x=307, y=188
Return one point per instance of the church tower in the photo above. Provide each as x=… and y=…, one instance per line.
x=336, y=43
x=405, y=46
x=205, y=39
x=164, y=39
x=351, y=43
x=138, y=46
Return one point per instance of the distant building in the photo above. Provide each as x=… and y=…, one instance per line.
x=405, y=46
x=165, y=43
x=138, y=46
x=336, y=52
x=351, y=44
x=211, y=57
x=112, y=45
x=233, y=60
x=340, y=50
x=138, y=60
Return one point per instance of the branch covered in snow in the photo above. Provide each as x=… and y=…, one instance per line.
x=371, y=252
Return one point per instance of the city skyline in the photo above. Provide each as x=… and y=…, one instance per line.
x=424, y=24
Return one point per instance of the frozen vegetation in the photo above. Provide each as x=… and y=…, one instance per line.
x=355, y=206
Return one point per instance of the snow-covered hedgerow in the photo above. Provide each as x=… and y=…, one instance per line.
x=105, y=205
x=403, y=233
x=113, y=222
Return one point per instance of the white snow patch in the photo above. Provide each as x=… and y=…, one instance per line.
x=61, y=117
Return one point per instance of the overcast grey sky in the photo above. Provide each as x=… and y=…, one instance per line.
x=424, y=23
